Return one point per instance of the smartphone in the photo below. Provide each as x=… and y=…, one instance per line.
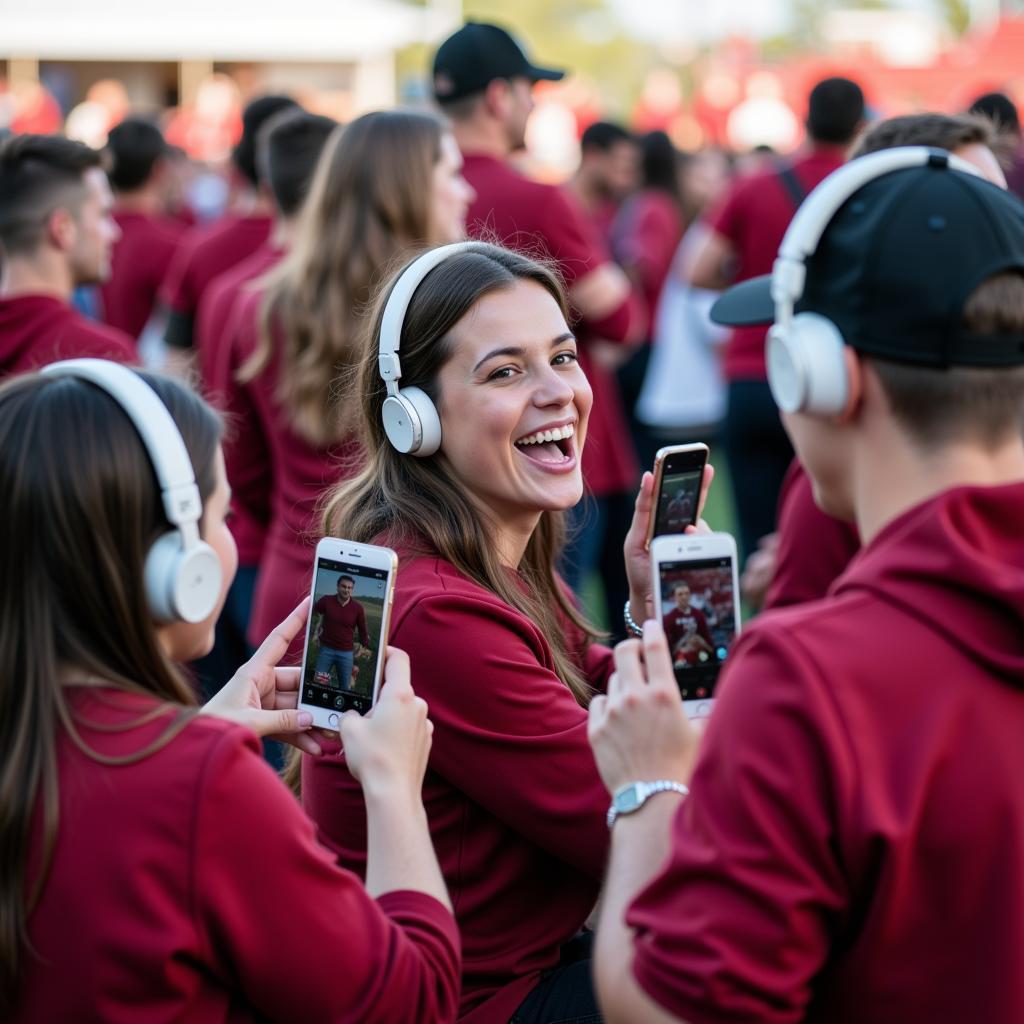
x=696, y=592
x=347, y=632
x=678, y=474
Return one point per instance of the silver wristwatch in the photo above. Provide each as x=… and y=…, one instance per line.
x=633, y=796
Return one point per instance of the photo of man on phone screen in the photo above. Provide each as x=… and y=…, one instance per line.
x=341, y=616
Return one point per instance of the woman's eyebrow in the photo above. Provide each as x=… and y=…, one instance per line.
x=513, y=350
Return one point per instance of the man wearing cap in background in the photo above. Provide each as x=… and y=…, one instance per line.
x=138, y=165
x=745, y=231
x=856, y=820
x=483, y=82
x=208, y=251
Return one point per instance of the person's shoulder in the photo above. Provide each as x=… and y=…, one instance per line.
x=84, y=337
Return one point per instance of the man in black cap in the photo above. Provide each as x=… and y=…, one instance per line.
x=483, y=83
x=855, y=809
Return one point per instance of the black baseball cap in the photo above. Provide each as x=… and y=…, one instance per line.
x=897, y=263
x=468, y=61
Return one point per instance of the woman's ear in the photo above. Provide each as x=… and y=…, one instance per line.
x=855, y=385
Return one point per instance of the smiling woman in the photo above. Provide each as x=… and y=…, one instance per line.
x=499, y=651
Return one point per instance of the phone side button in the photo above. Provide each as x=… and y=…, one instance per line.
x=332, y=720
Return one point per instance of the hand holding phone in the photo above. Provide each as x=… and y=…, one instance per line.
x=350, y=608
x=387, y=750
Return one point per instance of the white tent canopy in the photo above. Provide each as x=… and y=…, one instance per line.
x=223, y=30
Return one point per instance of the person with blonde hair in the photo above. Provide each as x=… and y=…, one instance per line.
x=385, y=184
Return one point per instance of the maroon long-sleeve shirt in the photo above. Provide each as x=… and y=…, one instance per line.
x=188, y=885
x=515, y=804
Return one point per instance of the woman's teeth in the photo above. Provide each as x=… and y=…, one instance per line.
x=558, y=434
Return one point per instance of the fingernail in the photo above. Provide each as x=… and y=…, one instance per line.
x=649, y=625
x=305, y=719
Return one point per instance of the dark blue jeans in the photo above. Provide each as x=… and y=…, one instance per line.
x=565, y=994
x=759, y=454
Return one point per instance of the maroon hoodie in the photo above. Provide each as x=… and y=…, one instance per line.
x=40, y=329
x=852, y=849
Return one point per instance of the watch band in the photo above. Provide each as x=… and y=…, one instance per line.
x=631, y=627
x=631, y=797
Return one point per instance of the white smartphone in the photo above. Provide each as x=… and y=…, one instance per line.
x=678, y=474
x=696, y=594
x=347, y=632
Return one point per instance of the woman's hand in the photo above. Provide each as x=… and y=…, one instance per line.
x=263, y=697
x=639, y=732
x=635, y=551
x=387, y=749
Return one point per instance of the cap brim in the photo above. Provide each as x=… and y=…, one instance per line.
x=747, y=304
x=544, y=74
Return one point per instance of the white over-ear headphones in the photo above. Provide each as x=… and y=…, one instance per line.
x=182, y=572
x=411, y=421
x=804, y=352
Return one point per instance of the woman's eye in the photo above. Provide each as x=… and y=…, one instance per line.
x=503, y=374
x=564, y=359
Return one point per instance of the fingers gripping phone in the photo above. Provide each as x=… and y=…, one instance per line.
x=696, y=597
x=347, y=632
x=678, y=475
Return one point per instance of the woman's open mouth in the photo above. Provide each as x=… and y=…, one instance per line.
x=554, y=448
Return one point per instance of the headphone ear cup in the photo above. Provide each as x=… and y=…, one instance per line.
x=411, y=422
x=181, y=586
x=807, y=366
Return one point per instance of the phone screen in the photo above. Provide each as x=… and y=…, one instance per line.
x=698, y=612
x=679, y=493
x=344, y=645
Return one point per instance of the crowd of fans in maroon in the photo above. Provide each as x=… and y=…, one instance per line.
x=859, y=904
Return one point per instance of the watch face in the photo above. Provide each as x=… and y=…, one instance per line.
x=628, y=799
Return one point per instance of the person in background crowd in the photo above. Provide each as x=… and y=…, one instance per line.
x=294, y=340
x=855, y=807
x=502, y=654
x=645, y=236
x=136, y=167
x=608, y=172
x=810, y=549
x=208, y=251
x=56, y=231
x=683, y=396
x=288, y=150
x=154, y=867
x=483, y=82
x=1001, y=111
x=745, y=232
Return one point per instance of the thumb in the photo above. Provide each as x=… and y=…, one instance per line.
x=286, y=720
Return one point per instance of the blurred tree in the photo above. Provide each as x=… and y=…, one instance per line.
x=957, y=14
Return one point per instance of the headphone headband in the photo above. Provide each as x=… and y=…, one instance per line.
x=397, y=306
x=157, y=429
x=816, y=212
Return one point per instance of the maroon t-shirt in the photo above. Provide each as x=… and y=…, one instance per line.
x=544, y=220
x=515, y=805
x=138, y=266
x=753, y=216
x=852, y=848
x=205, y=253
x=188, y=885
x=814, y=548
x=296, y=473
x=340, y=623
x=245, y=452
x=680, y=626
x=40, y=329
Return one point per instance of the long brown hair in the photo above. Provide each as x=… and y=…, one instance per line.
x=81, y=509
x=370, y=199
x=415, y=502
